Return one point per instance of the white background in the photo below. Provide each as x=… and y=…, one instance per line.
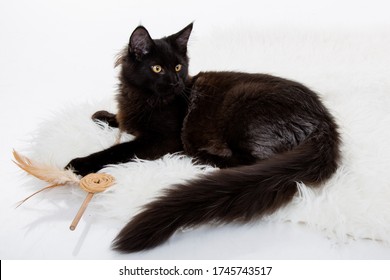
x=62, y=52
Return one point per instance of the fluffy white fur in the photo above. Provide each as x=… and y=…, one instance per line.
x=350, y=69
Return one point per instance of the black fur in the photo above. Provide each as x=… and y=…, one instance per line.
x=265, y=133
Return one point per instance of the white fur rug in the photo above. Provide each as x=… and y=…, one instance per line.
x=350, y=69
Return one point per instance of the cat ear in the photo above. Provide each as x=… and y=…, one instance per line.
x=181, y=38
x=140, y=42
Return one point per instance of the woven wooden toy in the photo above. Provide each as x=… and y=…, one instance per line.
x=91, y=183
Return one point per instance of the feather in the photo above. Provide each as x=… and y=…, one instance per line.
x=30, y=196
x=53, y=175
x=50, y=174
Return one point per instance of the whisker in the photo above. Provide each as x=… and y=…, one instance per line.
x=184, y=94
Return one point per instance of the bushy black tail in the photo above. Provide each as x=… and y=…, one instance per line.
x=234, y=194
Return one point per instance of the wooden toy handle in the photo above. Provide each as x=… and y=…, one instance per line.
x=81, y=211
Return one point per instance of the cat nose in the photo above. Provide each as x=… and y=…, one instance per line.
x=175, y=84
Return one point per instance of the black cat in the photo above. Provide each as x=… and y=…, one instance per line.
x=264, y=132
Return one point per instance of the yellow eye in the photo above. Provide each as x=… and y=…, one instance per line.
x=178, y=67
x=156, y=68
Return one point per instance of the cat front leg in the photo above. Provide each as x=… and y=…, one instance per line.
x=120, y=153
x=145, y=148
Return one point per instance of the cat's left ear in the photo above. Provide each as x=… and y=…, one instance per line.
x=180, y=39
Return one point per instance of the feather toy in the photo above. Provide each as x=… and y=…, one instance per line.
x=91, y=183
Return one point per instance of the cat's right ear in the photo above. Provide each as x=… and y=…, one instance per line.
x=140, y=42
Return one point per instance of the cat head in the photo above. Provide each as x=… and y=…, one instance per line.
x=159, y=67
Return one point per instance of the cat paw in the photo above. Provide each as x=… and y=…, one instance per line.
x=106, y=117
x=81, y=166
